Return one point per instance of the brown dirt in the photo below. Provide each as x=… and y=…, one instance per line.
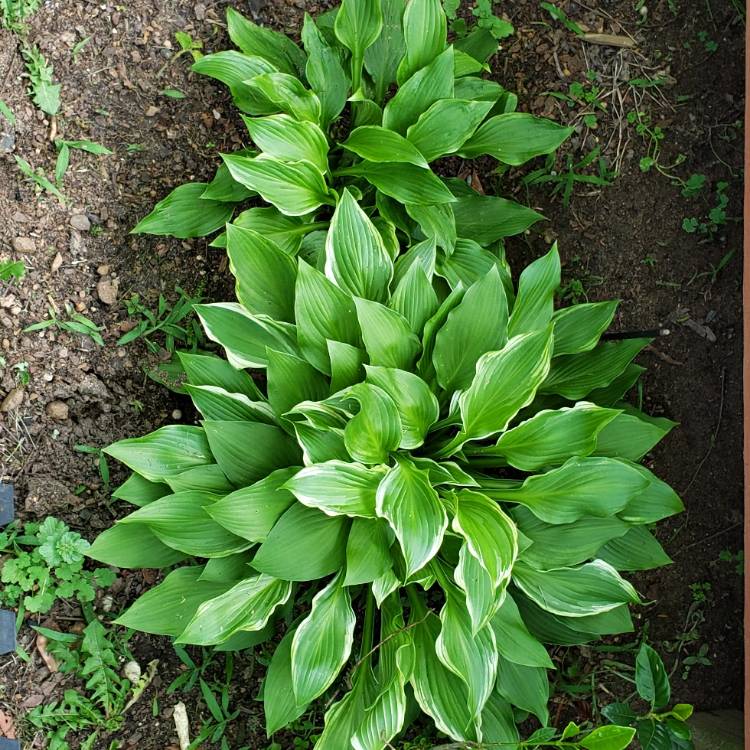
x=111, y=95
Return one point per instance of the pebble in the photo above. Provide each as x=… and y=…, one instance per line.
x=24, y=245
x=56, y=263
x=152, y=111
x=132, y=671
x=57, y=410
x=103, y=270
x=107, y=291
x=80, y=222
x=13, y=400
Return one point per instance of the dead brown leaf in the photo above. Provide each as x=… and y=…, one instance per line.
x=41, y=647
x=7, y=727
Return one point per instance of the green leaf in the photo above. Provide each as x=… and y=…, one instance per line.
x=619, y=713
x=578, y=328
x=631, y=436
x=576, y=375
x=491, y=537
x=560, y=545
x=414, y=298
x=504, y=383
x=636, y=550
x=378, y=144
x=436, y=689
x=417, y=406
x=244, y=335
x=165, y=452
x=446, y=125
x=437, y=224
x=375, y=431
x=471, y=656
x=232, y=68
x=295, y=189
x=588, y=486
x=277, y=48
x=180, y=521
x=265, y=274
x=252, y=511
x=425, y=33
x=487, y=218
x=589, y=589
x=383, y=56
x=324, y=73
x=167, y=608
x=247, y=606
x=498, y=724
x=292, y=380
x=407, y=500
x=358, y=24
x=289, y=139
x=608, y=738
x=271, y=449
x=551, y=437
x=132, y=546
x=525, y=687
x=323, y=312
x=285, y=231
x=423, y=89
x=225, y=188
x=322, y=642
x=209, y=478
x=337, y=488
x=184, y=213
x=651, y=678
x=515, y=138
x=304, y=545
x=476, y=326
x=204, y=369
x=279, y=703
x=356, y=258
x=658, y=500
x=514, y=642
x=367, y=551
x=216, y=403
x=138, y=490
x=405, y=182
x=388, y=338
x=536, y=293
x=346, y=364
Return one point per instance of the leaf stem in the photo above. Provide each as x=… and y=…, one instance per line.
x=368, y=626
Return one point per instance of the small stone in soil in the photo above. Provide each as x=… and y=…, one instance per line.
x=57, y=410
x=24, y=245
x=13, y=400
x=80, y=222
x=107, y=291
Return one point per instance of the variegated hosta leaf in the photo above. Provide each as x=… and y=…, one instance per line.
x=322, y=642
x=246, y=606
x=407, y=500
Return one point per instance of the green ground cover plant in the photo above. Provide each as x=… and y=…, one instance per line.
x=433, y=473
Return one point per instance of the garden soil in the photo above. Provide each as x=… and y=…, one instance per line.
x=625, y=240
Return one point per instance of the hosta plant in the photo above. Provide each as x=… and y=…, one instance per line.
x=370, y=103
x=431, y=479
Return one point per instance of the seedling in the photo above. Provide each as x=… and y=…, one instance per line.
x=43, y=563
x=572, y=173
x=708, y=44
x=173, y=322
x=7, y=113
x=101, y=461
x=76, y=323
x=100, y=703
x=44, y=92
x=482, y=11
x=12, y=269
x=64, y=148
x=659, y=727
x=558, y=14
x=23, y=376
x=14, y=12
x=39, y=178
x=79, y=47
x=716, y=218
x=735, y=558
